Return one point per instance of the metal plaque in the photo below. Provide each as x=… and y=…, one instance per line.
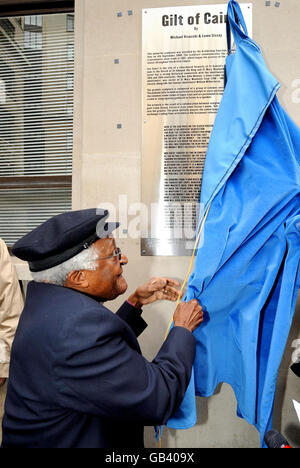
x=183, y=60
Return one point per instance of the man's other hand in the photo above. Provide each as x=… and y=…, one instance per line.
x=188, y=315
x=156, y=289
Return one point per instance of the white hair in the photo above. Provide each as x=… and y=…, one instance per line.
x=85, y=260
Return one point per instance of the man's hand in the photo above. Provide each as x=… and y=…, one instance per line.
x=2, y=381
x=157, y=289
x=188, y=315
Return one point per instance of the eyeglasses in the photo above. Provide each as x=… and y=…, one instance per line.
x=117, y=253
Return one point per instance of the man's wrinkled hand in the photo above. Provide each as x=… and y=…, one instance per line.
x=157, y=289
x=188, y=315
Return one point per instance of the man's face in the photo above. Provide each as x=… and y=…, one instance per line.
x=107, y=281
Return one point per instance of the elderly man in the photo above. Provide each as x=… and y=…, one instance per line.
x=77, y=378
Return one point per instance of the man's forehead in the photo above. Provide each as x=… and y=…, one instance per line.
x=108, y=243
x=111, y=239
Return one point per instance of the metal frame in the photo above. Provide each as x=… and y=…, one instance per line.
x=35, y=182
x=34, y=7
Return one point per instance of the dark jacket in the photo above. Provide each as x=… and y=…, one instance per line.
x=78, y=379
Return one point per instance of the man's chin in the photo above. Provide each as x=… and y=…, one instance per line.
x=121, y=285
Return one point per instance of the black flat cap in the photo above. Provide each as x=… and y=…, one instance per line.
x=62, y=237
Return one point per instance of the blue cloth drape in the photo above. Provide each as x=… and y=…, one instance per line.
x=246, y=273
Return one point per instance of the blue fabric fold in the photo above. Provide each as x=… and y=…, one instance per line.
x=246, y=273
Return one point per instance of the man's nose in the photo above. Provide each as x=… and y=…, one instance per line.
x=124, y=260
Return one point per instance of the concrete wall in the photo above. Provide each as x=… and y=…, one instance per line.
x=107, y=163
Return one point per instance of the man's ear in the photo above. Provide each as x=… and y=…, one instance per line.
x=77, y=279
